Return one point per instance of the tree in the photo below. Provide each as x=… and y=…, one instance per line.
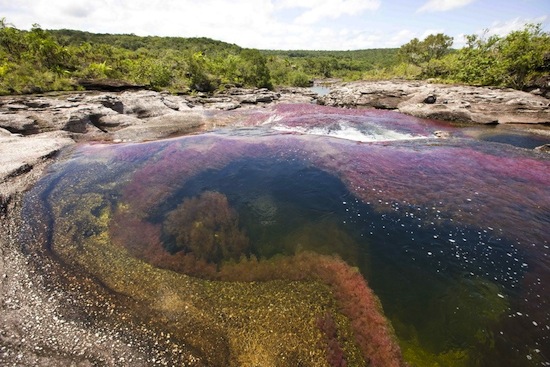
x=254, y=69
x=510, y=61
x=12, y=42
x=432, y=47
x=522, y=53
x=478, y=61
x=45, y=51
x=199, y=73
x=411, y=52
x=437, y=46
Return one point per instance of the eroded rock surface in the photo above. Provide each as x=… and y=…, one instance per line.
x=444, y=102
x=37, y=325
x=131, y=115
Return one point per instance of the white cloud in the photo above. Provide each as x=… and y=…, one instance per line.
x=500, y=28
x=317, y=10
x=443, y=5
x=459, y=41
x=400, y=38
x=503, y=28
x=272, y=24
x=427, y=32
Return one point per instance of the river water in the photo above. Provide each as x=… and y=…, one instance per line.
x=451, y=234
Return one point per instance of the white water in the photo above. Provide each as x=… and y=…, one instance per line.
x=342, y=130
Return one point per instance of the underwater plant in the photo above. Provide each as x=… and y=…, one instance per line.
x=208, y=227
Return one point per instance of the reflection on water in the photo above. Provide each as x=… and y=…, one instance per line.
x=320, y=90
x=452, y=235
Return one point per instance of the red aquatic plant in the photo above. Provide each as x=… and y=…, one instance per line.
x=335, y=354
x=142, y=240
x=373, y=333
x=207, y=227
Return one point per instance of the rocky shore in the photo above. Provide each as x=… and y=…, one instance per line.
x=33, y=129
x=482, y=105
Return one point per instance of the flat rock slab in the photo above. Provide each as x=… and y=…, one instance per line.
x=482, y=105
x=20, y=155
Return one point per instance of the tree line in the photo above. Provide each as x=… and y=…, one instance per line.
x=514, y=60
x=41, y=60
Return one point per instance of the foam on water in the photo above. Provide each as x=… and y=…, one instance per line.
x=343, y=130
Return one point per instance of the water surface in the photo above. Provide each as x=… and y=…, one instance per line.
x=451, y=234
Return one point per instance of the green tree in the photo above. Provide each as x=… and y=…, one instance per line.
x=201, y=78
x=411, y=52
x=436, y=46
x=432, y=47
x=12, y=42
x=479, y=61
x=254, y=69
x=44, y=50
x=522, y=53
x=504, y=61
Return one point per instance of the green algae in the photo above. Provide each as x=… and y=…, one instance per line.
x=474, y=304
x=324, y=237
x=271, y=323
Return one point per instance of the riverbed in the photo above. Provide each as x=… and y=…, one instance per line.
x=451, y=234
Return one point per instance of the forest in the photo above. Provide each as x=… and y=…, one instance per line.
x=39, y=60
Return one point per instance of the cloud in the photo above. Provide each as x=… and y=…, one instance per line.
x=78, y=10
x=503, y=28
x=318, y=10
x=428, y=32
x=400, y=38
x=267, y=24
x=500, y=28
x=442, y=5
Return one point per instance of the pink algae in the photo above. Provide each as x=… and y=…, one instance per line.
x=463, y=181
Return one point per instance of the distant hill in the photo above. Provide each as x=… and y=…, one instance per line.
x=378, y=56
x=222, y=62
x=132, y=42
x=41, y=60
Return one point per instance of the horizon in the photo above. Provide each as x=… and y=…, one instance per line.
x=284, y=25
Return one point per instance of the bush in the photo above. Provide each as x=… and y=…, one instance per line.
x=299, y=79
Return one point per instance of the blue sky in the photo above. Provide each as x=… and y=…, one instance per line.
x=284, y=24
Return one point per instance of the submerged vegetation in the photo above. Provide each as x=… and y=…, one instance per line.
x=41, y=60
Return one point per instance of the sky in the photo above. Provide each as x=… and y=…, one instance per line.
x=284, y=24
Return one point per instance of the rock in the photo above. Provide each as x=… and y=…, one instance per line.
x=144, y=104
x=19, y=124
x=225, y=106
x=116, y=122
x=543, y=148
x=18, y=155
x=4, y=132
x=170, y=103
x=442, y=134
x=17, y=107
x=108, y=85
x=453, y=103
x=430, y=99
x=87, y=119
x=539, y=86
x=173, y=124
x=110, y=101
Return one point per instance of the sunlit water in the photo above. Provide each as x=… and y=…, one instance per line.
x=452, y=235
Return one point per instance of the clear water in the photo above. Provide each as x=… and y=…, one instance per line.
x=452, y=235
x=320, y=90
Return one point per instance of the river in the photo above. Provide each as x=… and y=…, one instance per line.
x=452, y=235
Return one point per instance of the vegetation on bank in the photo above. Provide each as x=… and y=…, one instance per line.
x=47, y=60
